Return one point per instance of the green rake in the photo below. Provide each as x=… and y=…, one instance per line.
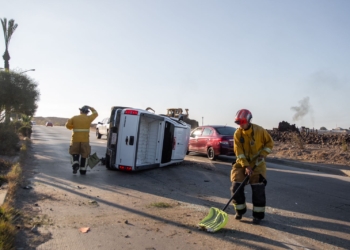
x=217, y=219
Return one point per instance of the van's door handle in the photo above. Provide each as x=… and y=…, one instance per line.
x=127, y=140
x=131, y=140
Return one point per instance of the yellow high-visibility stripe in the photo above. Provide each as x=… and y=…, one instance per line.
x=268, y=150
x=81, y=130
x=239, y=206
x=241, y=156
x=259, y=209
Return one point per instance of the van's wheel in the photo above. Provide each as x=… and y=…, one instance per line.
x=98, y=135
x=211, y=154
x=108, y=162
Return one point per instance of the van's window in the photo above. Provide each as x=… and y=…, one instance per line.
x=225, y=130
x=207, y=131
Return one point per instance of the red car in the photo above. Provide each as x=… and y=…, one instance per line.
x=212, y=140
x=49, y=124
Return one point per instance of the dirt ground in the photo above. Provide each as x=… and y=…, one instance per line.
x=314, y=153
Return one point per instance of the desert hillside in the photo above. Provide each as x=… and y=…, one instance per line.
x=57, y=121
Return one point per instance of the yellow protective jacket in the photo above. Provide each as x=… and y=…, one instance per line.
x=256, y=141
x=80, y=124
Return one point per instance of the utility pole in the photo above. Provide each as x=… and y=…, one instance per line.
x=202, y=120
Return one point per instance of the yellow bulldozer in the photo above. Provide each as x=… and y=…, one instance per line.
x=176, y=112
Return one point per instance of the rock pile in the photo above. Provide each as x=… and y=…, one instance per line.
x=311, y=137
x=287, y=133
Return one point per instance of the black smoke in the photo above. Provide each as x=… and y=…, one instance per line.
x=303, y=109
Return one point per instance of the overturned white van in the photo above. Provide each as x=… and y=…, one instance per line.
x=139, y=139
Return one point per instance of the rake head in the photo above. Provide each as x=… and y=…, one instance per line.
x=215, y=220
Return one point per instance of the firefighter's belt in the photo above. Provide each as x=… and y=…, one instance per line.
x=81, y=130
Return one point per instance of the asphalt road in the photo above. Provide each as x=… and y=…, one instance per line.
x=305, y=209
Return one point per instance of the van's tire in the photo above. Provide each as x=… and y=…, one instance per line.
x=108, y=162
x=211, y=154
x=98, y=135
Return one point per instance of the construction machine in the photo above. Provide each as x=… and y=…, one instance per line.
x=177, y=113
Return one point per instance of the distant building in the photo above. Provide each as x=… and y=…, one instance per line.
x=340, y=130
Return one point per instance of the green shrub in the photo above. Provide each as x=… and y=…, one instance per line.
x=15, y=125
x=25, y=131
x=8, y=141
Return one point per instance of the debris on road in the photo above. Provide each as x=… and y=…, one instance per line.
x=84, y=229
x=93, y=202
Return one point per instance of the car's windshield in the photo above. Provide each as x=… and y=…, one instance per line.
x=225, y=130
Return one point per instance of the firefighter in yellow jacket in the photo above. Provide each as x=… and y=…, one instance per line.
x=80, y=146
x=252, y=144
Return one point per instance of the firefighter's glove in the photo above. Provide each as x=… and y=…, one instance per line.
x=248, y=170
x=261, y=157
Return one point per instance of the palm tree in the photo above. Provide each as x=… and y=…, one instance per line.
x=8, y=32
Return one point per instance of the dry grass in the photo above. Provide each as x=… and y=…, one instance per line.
x=344, y=145
x=298, y=141
x=161, y=205
x=8, y=214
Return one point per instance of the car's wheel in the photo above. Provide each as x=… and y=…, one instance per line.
x=211, y=154
x=98, y=135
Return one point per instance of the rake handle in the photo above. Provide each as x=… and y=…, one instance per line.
x=239, y=188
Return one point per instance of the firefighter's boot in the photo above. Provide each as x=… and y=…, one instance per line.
x=259, y=202
x=239, y=200
x=83, y=165
x=75, y=163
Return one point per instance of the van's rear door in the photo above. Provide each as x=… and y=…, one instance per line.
x=181, y=137
x=127, y=138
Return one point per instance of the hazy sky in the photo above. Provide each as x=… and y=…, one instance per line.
x=284, y=60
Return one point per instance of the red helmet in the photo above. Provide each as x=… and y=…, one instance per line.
x=243, y=116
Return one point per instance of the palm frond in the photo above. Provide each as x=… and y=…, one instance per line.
x=4, y=23
x=11, y=29
x=4, y=27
